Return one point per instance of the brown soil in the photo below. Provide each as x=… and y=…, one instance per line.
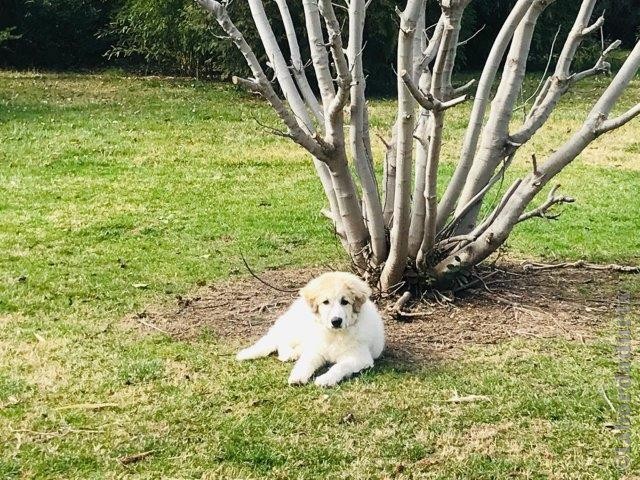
x=562, y=303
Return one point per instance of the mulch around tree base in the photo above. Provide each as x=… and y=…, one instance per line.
x=564, y=303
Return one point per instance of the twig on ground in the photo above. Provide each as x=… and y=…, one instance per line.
x=62, y=433
x=266, y=306
x=264, y=282
x=151, y=325
x=477, y=281
x=129, y=459
x=504, y=301
x=468, y=398
x=606, y=398
x=532, y=266
x=398, y=308
x=415, y=314
x=402, y=302
x=215, y=305
x=88, y=406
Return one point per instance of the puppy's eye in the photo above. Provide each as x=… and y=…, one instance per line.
x=326, y=302
x=344, y=301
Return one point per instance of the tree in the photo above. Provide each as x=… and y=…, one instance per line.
x=403, y=231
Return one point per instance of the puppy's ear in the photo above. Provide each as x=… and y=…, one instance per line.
x=310, y=294
x=361, y=293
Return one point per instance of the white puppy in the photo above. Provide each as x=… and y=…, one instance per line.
x=333, y=321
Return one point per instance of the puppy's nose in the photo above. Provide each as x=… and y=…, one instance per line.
x=336, y=322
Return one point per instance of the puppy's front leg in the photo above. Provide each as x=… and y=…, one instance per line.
x=262, y=348
x=346, y=367
x=306, y=365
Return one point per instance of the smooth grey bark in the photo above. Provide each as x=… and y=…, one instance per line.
x=424, y=57
x=483, y=91
x=389, y=177
x=562, y=79
x=359, y=135
x=441, y=89
x=319, y=54
x=494, y=147
x=348, y=200
x=297, y=67
x=396, y=264
x=294, y=99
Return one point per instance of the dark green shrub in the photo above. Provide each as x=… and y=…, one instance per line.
x=57, y=34
x=173, y=36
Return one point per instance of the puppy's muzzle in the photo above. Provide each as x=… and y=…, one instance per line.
x=336, y=322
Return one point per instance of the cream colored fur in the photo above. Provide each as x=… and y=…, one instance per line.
x=308, y=331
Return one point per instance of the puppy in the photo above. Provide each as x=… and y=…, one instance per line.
x=333, y=321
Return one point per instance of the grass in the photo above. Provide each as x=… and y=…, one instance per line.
x=117, y=193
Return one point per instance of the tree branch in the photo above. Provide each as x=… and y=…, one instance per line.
x=601, y=65
x=475, y=34
x=620, y=120
x=250, y=84
x=549, y=97
x=596, y=26
x=440, y=88
x=296, y=62
x=299, y=135
x=464, y=88
x=319, y=54
x=359, y=135
x=339, y=58
x=427, y=100
x=542, y=210
x=496, y=131
x=397, y=261
x=477, y=198
x=483, y=93
x=430, y=52
x=500, y=229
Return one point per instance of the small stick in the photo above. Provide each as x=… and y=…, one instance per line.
x=135, y=457
x=88, y=406
x=402, y=301
x=606, y=398
x=581, y=264
x=264, y=282
x=151, y=325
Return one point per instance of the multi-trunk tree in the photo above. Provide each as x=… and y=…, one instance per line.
x=401, y=230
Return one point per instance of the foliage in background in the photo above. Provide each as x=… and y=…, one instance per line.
x=174, y=37
x=171, y=36
x=621, y=22
x=7, y=34
x=54, y=34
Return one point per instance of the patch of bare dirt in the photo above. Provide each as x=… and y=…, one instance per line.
x=569, y=303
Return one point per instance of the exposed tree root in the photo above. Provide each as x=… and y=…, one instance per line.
x=612, y=267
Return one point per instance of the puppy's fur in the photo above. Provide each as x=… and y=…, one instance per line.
x=333, y=321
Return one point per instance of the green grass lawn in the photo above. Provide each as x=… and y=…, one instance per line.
x=117, y=193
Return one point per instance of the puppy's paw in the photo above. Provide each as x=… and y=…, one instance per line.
x=290, y=355
x=286, y=356
x=244, y=354
x=298, y=378
x=326, y=380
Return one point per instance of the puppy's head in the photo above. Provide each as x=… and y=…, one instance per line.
x=336, y=298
